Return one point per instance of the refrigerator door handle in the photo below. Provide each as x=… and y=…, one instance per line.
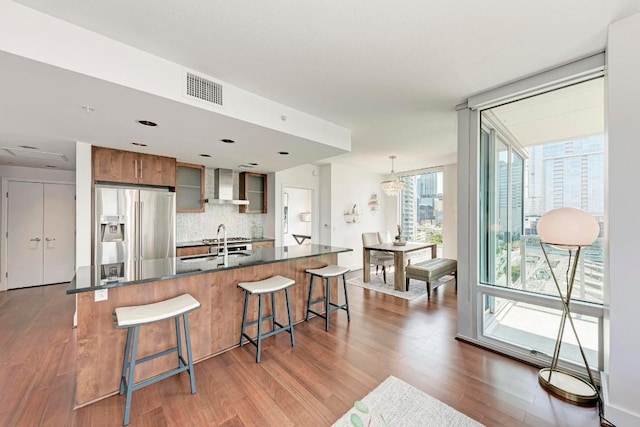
x=140, y=239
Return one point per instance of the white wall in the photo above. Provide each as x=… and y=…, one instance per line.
x=32, y=34
x=450, y=209
x=350, y=185
x=622, y=372
x=83, y=204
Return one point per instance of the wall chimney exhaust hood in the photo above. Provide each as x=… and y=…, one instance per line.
x=223, y=189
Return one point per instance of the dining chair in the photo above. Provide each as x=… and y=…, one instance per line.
x=379, y=258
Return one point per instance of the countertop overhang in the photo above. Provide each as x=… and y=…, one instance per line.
x=106, y=276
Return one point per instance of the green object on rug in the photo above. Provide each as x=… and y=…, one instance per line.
x=396, y=403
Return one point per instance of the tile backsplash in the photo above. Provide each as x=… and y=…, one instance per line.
x=197, y=226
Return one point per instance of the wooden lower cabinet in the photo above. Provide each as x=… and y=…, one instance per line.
x=192, y=250
x=215, y=326
x=258, y=245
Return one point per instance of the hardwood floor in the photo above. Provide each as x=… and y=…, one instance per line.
x=311, y=384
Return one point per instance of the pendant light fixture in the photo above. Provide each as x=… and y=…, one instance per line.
x=392, y=186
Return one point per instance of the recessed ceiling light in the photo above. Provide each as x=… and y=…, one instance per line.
x=146, y=123
x=253, y=164
x=139, y=144
x=205, y=155
x=283, y=153
x=28, y=147
x=51, y=166
x=228, y=141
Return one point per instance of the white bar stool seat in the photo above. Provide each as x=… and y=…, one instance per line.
x=270, y=285
x=327, y=273
x=132, y=317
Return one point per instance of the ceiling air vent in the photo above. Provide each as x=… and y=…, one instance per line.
x=204, y=89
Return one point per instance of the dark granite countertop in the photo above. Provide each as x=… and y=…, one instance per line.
x=201, y=243
x=91, y=278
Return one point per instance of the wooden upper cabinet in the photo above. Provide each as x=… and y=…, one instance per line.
x=157, y=170
x=133, y=168
x=253, y=187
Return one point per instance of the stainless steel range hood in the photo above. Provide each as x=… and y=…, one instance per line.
x=223, y=189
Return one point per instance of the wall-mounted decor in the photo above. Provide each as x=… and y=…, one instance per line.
x=285, y=213
x=373, y=203
x=351, y=213
x=305, y=216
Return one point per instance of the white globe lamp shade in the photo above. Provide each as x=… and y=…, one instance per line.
x=568, y=228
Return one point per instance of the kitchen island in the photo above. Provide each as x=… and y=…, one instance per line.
x=215, y=326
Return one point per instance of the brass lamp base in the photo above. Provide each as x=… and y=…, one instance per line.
x=568, y=386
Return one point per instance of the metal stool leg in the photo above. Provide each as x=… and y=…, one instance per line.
x=187, y=338
x=273, y=311
x=179, y=342
x=346, y=297
x=309, y=299
x=125, y=361
x=293, y=339
x=244, y=316
x=259, y=339
x=327, y=303
x=132, y=368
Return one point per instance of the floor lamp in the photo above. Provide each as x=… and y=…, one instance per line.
x=569, y=229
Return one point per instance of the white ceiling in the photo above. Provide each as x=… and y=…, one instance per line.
x=390, y=72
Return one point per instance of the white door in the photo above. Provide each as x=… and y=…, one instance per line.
x=24, y=241
x=59, y=233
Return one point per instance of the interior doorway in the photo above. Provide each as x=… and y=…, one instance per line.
x=297, y=208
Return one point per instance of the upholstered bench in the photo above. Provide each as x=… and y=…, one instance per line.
x=431, y=270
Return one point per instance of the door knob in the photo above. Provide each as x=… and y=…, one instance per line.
x=37, y=239
x=49, y=240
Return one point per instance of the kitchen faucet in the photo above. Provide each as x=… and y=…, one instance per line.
x=225, y=249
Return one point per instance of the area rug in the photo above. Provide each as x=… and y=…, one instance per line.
x=417, y=288
x=396, y=403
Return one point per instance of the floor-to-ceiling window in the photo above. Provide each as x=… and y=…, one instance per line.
x=421, y=212
x=537, y=150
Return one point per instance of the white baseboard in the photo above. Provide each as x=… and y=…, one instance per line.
x=618, y=416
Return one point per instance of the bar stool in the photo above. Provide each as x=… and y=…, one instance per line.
x=270, y=286
x=327, y=273
x=132, y=318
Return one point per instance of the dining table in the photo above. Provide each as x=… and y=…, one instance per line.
x=400, y=259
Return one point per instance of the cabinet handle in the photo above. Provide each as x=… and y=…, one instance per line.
x=37, y=239
x=135, y=168
x=49, y=240
x=141, y=160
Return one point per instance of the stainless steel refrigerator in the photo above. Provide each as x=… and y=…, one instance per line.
x=132, y=224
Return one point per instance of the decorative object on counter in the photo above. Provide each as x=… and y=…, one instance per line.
x=351, y=213
x=305, y=216
x=373, y=203
x=132, y=318
x=392, y=186
x=327, y=273
x=567, y=229
x=269, y=286
x=257, y=231
x=398, y=239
